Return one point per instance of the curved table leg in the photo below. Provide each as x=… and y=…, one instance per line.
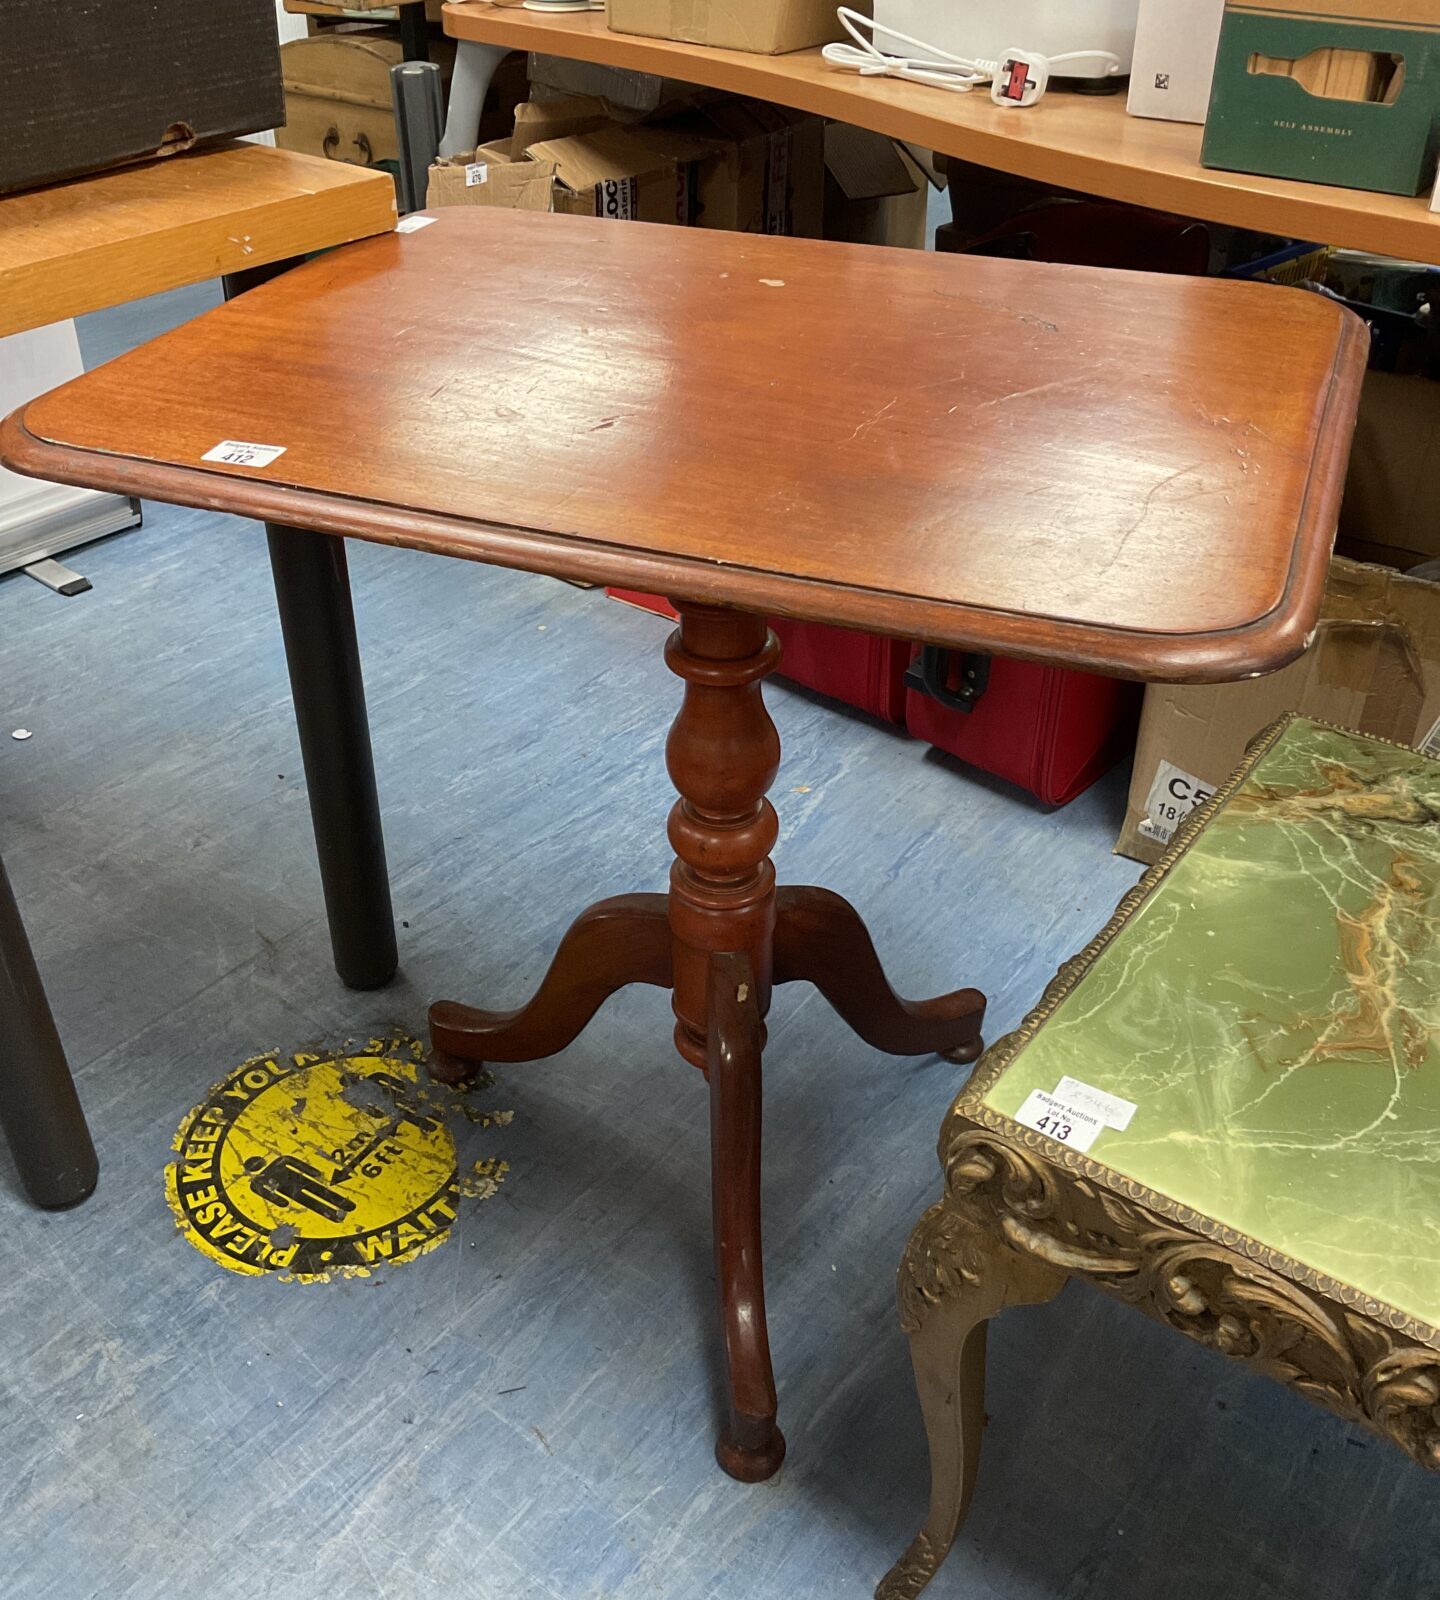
x=821, y=939
x=39, y=1109
x=947, y=1348
x=750, y=1446
x=616, y=942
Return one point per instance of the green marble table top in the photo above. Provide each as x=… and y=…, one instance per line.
x=1272, y=1010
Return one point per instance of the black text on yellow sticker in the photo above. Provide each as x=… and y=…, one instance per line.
x=312, y=1164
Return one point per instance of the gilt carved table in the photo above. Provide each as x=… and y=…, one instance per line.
x=1257, y=1031
x=1138, y=475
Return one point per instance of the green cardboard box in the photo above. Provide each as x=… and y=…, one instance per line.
x=1275, y=125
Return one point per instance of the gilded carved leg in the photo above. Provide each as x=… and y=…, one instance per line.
x=821, y=939
x=955, y=1276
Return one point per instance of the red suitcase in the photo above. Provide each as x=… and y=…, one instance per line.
x=861, y=669
x=1052, y=731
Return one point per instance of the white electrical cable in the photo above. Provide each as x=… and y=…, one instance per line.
x=866, y=58
x=945, y=71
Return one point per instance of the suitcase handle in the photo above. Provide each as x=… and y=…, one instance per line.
x=929, y=673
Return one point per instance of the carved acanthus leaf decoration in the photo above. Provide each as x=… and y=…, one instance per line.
x=1000, y=1194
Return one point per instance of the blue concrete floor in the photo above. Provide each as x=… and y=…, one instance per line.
x=528, y=1411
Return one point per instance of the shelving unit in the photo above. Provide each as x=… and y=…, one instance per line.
x=1075, y=141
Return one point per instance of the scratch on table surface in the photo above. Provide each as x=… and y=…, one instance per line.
x=543, y=1440
x=940, y=383
x=1039, y=388
x=879, y=416
x=1147, y=505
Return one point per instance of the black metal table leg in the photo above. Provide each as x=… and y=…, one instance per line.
x=312, y=585
x=39, y=1109
x=414, y=32
x=317, y=619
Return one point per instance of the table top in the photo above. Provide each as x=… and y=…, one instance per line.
x=1129, y=472
x=1076, y=141
x=1270, y=1010
x=137, y=230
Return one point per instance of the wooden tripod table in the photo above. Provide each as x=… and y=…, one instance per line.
x=1138, y=475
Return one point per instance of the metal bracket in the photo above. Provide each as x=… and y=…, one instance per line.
x=930, y=674
x=55, y=575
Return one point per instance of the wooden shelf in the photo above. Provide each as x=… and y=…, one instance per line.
x=1076, y=141
x=137, y=230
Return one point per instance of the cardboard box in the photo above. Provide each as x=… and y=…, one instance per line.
x=1391, y=510
x=875, y=191
x=1176, y=42
x=566, y=156
x=338, y=102
x=1374, y=665
x=89, y=86
x=1274, y=110
x=615, y=172
x=555, y=119
x=763, y=167
x=488, y=177
x=768, y=27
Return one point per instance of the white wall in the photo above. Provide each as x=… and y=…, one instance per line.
x=290, y=27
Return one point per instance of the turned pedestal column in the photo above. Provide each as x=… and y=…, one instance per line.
x=720, y=939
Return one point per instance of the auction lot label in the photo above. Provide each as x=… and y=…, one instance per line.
x=316, y=1164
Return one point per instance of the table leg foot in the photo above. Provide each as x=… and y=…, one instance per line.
x=615, y=943
x=750, y=1446
x=821, y=939
x=39, y=1109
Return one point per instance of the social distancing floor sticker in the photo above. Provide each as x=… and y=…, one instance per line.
x=323, y=1164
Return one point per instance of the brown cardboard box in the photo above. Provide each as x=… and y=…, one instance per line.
x=630, y=174
x=1374, y=665
x=488, y=177
x=1391, y=512
x=764, y=171
x=768, y=27
x=555, y=119
x=875, y=192
x=566, y=156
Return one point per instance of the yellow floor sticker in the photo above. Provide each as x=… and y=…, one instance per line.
x=314, y=1165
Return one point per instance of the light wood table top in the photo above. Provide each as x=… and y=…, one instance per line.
x=137, y=230
x=1130, y=472
x=1075, y=141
